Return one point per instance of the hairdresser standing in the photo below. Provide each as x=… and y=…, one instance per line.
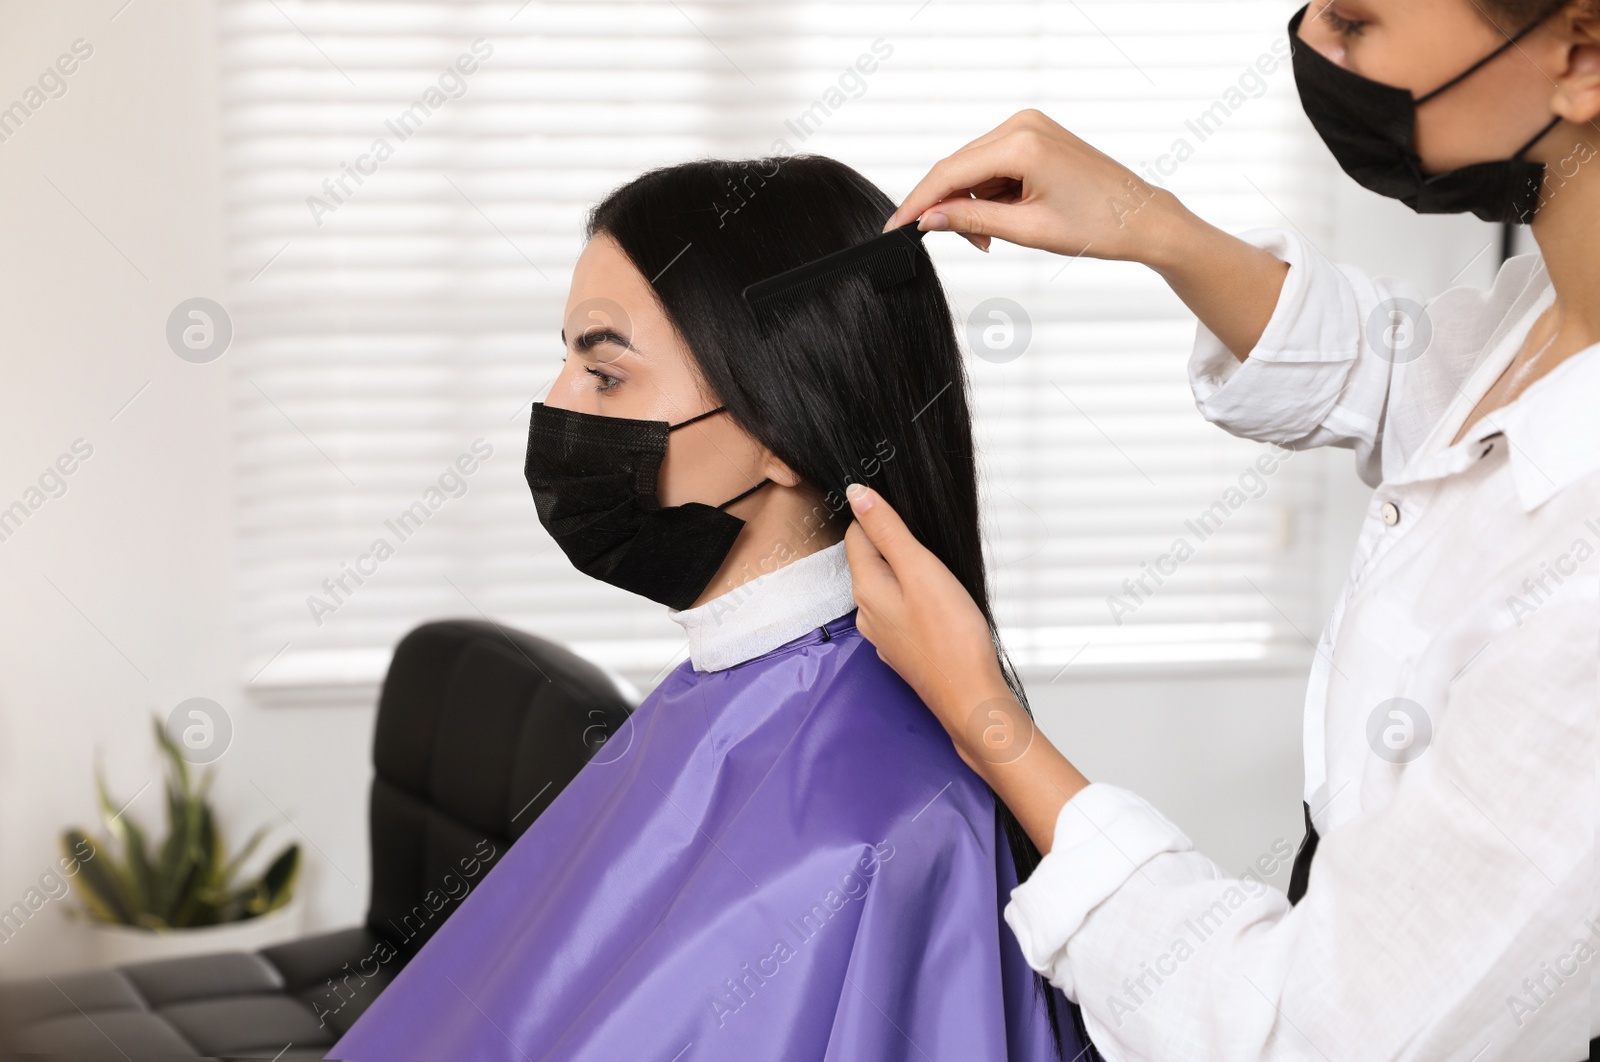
x=1452, y=908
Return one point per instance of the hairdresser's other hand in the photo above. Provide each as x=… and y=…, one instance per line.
x=927, y=627
x=920, y=618
x=1032, y=182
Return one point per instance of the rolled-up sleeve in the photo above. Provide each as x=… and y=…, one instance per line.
x=1105, y=834
x=1322, y=372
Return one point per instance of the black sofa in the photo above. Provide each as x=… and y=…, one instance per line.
x=479, y=728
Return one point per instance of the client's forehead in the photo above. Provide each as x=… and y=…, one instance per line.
x=609, y=293
x=612, y=316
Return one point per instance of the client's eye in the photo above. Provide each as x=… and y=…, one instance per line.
x=1344, y=27
x=605, y=383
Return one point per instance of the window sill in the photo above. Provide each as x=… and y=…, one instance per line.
x=1049, y=656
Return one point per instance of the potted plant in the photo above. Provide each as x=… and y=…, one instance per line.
x=184, y=895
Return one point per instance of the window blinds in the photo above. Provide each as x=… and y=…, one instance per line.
x=405, y=184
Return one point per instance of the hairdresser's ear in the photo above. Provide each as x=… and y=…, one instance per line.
x=778, y=472
x=1577, y=95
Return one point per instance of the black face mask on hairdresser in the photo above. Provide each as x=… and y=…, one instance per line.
x=1369, y=127
x=594, y=484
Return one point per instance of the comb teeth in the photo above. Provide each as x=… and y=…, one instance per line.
x=885, y=260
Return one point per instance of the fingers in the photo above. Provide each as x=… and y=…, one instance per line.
x=887, y=533
x=935, y=219
x=870, y=574
x=967, y=168
x=978, y=217
x=1021, y=120
x=939, y=184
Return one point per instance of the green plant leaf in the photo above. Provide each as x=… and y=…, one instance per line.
x=208, y=854
x=198, y=832
x=277, y=883
x=230, y=869
x=140, y=877
x=190, y=901
x=177, y=866
x=135, y=871
x=177, y=765
x=114, y=822
x=99, y=882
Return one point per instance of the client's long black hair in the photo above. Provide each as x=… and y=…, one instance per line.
x=841, y=378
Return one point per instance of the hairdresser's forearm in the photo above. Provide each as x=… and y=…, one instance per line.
x=1229, y=284
x=1035, y=787
x=1033, y=784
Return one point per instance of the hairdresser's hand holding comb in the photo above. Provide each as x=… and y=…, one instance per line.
x=1033, y=183
x=926, y=626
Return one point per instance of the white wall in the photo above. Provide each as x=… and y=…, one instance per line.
x=1218, y=754
x=119, y=592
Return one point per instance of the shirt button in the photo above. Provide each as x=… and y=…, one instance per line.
x=1391, y=513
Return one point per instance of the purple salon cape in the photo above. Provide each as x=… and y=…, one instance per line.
x=782, y=860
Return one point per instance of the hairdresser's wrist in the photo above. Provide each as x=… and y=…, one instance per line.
x=1003, y=745
x=1232, y=286
x=1036, y=785
x=1171, y=238
x=980, y=713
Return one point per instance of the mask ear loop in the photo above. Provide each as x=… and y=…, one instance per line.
x=1537, y=137
x=672, y=427
x=694, y=420
x=746, y=494
x=1481, y=63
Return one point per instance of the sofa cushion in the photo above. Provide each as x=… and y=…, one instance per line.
x=223, y=1005
x=26, y=1002
x=336, y=975
x=223, y=973
x=117, y=1034
x=240, y=1024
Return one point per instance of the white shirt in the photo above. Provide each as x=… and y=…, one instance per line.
x=1453, y=910
x=770, y=610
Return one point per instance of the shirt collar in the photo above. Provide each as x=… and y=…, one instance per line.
x=769, y=611
x=1552, y=429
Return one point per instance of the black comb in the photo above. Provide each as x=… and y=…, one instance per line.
x=885, y=260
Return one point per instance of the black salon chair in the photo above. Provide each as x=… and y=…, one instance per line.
x=479, y=728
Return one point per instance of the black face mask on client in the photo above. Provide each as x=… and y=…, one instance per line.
x=1370, y=126
x=594, y=479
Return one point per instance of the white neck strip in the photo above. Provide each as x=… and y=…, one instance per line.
x=769, y=611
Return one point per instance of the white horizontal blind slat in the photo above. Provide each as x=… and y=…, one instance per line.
x=414, y=315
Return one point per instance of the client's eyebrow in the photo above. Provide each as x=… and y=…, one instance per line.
x=594, y=337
